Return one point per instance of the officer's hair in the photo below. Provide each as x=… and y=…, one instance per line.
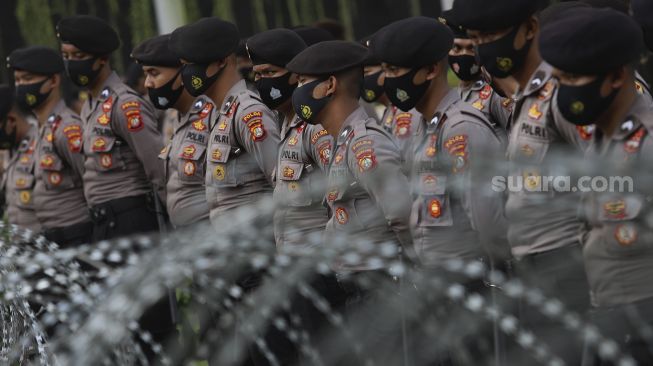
x=352, y=80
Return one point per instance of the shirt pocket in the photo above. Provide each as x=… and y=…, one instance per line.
x=221, y=167
x=106, y=153
x=55, y=176
x=191, y=163
x=294, y=183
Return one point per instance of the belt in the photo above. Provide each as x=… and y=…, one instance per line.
x=63, y=235
x=102, y=211
x=566, y=252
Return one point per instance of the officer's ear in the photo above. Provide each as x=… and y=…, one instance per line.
x=435, y=70
x=56, y=81
x=619, y=77
x=532, y=27
x=332, y=84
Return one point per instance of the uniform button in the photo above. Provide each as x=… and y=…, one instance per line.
x=103, y=211
x=112, y=224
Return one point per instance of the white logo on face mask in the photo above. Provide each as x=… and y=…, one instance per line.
x=163, y=101
x=275, y=93
x=474, y=69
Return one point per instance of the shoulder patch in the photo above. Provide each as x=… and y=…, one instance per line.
x=130, y=104
x=73, y=134
x=134, y=120
x=457, y=148
x=404, y=122
x=362, y=144
x=366, y=160
x=252, y=115
x=316, y=136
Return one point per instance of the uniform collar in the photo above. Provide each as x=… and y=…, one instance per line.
x=56, y=111
x=348, y=126
x=198, y=105
x=639, y=115
x=231, y=96
x=539, y=78
x=108, y=87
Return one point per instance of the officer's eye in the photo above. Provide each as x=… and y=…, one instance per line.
x=456, y=48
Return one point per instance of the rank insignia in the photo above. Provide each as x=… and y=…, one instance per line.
x=103, y=119
x=54, y=178
x=47, y=161
x=435, y=208
x=626, y=234
x=546, y=91
x=189, y=168
x=219, y=172
x=199, y=125
x=534, y=111
x=49, y=137
x=222, y=126
x=106, y=161
x=341, y=215
x=292, y=141
x=478, y=105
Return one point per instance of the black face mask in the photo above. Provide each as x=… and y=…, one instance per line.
x=402, y=92
x=372, y=91
x=29, y=96
x=500, y=58
x=195, y=80
x=247, y=73
x=465, y=67
x=582, y=105
x=7, y=140
x=81, y=72
x=305, y=106
x=275, y=91
x=165, y=96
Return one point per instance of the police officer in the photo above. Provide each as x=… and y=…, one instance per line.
x=19, y=135
x=244, y=137
x=305, y=149
x=473, y=88
x=367, y=193
x=594, y=60
x=120, y=141
x=185, y=155
x=543, y=229
x=454, y=210
x=402, y=125
x=58, y=160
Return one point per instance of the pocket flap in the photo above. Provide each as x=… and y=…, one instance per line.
x=101, y=144
x=219, y=153
x=619, y=207
x=290, y=171
x=191, y=151
x=50, y=162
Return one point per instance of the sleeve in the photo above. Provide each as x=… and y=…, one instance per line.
x=500, y=110
x=572, y=134
x=475, y=157
x=318, y=144
x=258, y=133
x=136, y=123
x=68, y=143
x=374, y=160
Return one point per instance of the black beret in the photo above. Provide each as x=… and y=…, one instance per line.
x=155, y=52
x=586, y=41
x=327, y=58
x=493, y=15
x=205, y=41
x=643, y=14
x=275, y=46
x=618, y=5
x=448, y=19
x=554, y=11
x=6, y=100
x=88, y=33
x=412, y=42
x=37, y=59
x=313, y=35
x=371, y=59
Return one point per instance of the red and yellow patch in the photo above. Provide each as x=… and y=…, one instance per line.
x=99, y=144
x=293, y=141
x=546, y=91
x=360, y=144
x=222, y=126
x=47, y=161
x=585, y=132
x=252, y=115
x=74, y=142
x=316, y=136
x=615, y=210
x=189, y=168
x=49, y=137
x=134, y=120
x=106, y=106
x=366, y=160
x=338, y=159
x=435, y=208
x=199, y=125
x=208, y=107
x=457, y=148
x=332, y=195
x=431, y=150
x=188, y=152
x=106, y=161
x=130, y=104
x=216, y=154
x=256, y=129
x=341, y=215
x=219, y=172
x=288, y=172
x=324, y=150
x=403, y=125
x=486, y=92
x=54, y=178
x=633, y=143
x=478, y=105
x=625, y=234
